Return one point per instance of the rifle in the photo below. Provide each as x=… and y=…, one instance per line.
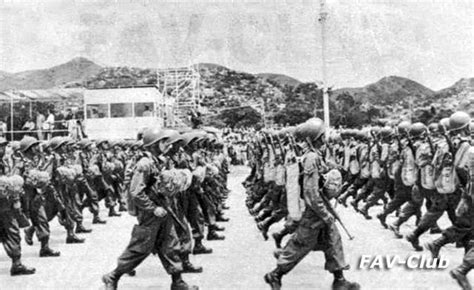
x=328, y=205
x=173, y=215
x=337, y=217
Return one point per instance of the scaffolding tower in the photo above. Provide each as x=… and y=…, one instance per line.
x=181, y=84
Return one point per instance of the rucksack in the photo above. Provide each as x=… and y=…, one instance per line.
x=424, y=159
x=409, y=169
x=445, y=172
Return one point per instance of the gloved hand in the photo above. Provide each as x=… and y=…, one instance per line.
x=160, y=212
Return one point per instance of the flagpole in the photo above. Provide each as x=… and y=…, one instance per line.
x=322, y=19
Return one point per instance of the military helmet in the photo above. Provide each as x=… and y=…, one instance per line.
x=312, y=129
x=83, y=143
x=459, y=120
x=433, y=127
x=56, y=142
x=3, y=141
x=153, y=135
x=386, y=132
x=15, y=145
x=101, y=141
x=173, y=137
x=404, y=127
x=27, y=142
x=444, y=125
x=417, y=129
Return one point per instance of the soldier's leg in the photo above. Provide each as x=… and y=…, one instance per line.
x=459, y=273
x=195, y=217
x=39, y=220
x=11, y=240
x=402, y=195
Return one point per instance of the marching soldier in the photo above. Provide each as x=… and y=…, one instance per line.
x=9, y=227
x=155, y=231
x=317, y=229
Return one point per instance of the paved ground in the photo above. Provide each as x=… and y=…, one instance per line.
x=239, y=262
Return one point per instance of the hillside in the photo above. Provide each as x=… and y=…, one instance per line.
x=76, y=70
x=282, y=80
x=388, y=91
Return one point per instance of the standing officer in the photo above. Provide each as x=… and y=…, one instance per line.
x=9, y=229
x=317, y=229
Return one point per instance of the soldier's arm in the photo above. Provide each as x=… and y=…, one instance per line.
x=138, y=185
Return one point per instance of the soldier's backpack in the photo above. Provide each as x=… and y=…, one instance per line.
x=409, y=172
x=445, y=172
x=354, y=167
x=364, y=162
x=293, y=191
x=375, y=167
x=424, y=158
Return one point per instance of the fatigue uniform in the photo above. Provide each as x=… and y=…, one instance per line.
x=152, y=234
x=316, y=230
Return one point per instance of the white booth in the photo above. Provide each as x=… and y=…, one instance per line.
x=120, y=113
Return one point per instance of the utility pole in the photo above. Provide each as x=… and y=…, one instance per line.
x=322, y=19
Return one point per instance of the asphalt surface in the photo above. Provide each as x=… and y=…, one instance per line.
x=238, y=262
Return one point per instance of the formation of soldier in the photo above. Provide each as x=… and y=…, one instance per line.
x=295, y=171
x=174, y=183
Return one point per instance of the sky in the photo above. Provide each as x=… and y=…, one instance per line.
x=431, y=42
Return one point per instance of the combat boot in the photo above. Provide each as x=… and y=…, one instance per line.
x=29, y=235
x=111, y=280
x=122, y=208
x=46, y=251
x=343, y=284
x=73, y=239
x=435, y=246
x=395, y=228
x=199, y=248
x=188, y=267
x=355, y=204
x=273, y=279
x=263, y=228
x=179, y=284
x=113, y=213
x=413, y=238
x=221, y=218
x=20, y=269
x=98, y=220
x=459, y=274
x=212, y=235
x=216, y=227
x=382, y=219
x=277, y=237
x=80, y=229
x=365, y=212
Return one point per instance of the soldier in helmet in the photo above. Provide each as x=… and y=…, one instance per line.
x=317, y=229
x=403, y=173
x=410, y=189
x=155, y=231
x=452, y=180
x=466, y=206
x=379, y=173
x=37, y=182
x=9, y=227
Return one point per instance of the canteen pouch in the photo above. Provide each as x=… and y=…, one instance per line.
x=447, y=180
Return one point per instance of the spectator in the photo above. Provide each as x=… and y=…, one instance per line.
x=29, y=126
x=3, y=128
x=39, y=125
x=147, y=112
x=48, y=125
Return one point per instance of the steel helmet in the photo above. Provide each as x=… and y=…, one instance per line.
x=15, y=145
x=433, y=127
x=174, y=137
x=153, y=135
x=417, y=129
x=444, y=125
x=459, y=120
x=27, y=142
x=57, y=142
x=3, y=141
x=312, y=129
x=404, y=127
x=386, y=132
x=84, y=143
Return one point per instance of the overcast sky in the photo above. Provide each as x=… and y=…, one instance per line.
x=431, y=42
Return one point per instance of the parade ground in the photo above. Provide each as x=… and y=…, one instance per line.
x=238, y=262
